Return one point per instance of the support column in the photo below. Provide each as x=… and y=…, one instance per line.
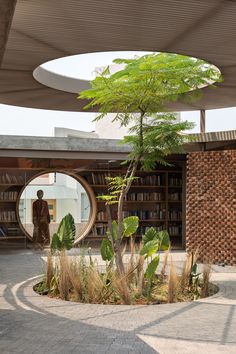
x=202, y=121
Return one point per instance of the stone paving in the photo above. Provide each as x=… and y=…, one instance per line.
x=34, y=324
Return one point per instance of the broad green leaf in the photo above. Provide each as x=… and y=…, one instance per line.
x=55, y=243
x=150, y=235
x=106, y=250
x=164, y=240
x=65, y=234
x=150, y=248
x=130, y=225
x=152, y=267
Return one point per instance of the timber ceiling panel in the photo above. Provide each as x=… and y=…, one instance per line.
x=44, y=30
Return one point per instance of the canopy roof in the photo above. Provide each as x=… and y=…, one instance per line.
x=43, y=30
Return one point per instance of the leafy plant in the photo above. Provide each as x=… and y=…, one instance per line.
x=140, y=94
x=64, y=237
x=153, y=242
x=108, y=246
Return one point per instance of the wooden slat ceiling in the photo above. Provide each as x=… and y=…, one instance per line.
x=43, y=30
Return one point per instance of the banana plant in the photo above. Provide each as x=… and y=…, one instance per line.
x=63, y=239
x=153, y=242
x=130, y=225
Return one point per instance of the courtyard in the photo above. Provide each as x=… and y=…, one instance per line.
x=35, y=324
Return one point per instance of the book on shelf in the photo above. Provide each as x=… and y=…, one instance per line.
x=7, y=215
x=145, y=196
x=175, y=230
x=175, y=181
x=101, y=216
x=3, y=232
x=175, y=214
x=7, y=178
x=12, y=195
x=174, y=196
x=13, y=231
x=146, y=214
x=99, y=229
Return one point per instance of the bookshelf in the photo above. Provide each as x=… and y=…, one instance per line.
x=12, y=181
x=155, y=197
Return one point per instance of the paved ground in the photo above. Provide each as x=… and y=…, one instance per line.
x=30, y=323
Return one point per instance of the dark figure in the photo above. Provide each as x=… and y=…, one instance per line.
x=41, y=220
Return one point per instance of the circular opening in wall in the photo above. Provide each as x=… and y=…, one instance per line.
x=48, y=197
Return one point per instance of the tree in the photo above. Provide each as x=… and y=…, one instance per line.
x=140, y=93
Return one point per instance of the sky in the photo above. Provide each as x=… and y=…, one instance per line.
x=25, y=121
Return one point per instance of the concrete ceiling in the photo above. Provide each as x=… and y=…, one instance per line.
x=43, y=30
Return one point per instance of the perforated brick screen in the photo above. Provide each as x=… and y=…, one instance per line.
x=211, y=205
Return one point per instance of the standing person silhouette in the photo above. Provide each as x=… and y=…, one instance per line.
x=41, y=220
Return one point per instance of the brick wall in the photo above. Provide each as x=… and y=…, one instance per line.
x=211, y=205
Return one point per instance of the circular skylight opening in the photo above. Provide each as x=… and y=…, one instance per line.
x=74, y=73
x=83, y=66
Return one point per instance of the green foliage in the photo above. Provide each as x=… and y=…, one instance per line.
x=162, y=237
x=161, y=136
x=150, y=248
x=130, y=225
x=115, y=185
x=114, y=230
x=153, y=241
x=152, y=267
x=107, y=252
x=149, y=82
x=164, y=240
x=64, y=237
x=141, y=91
x=151, y=234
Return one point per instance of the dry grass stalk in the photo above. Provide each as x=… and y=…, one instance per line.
x=95, y=285
x=64, y=279
x=120, y=285
x=173, y=283
x=164, y=265
x=49, y=270
x=140, y=275
x=205, y=280
x=75, y=275
x=186, y=272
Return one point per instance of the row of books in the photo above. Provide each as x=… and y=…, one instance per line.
x=150, y=180
x=101, y=216
x=159, y=214
x=8, y=195
x=175, y=214
x=101, y=179
x=175, y=230
x=146, y=214
x=100, y=230
x=144, y=196
x=7, y=215
x=6, y=178
x=9, y=231
x=175, y=181
x=175, y=196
